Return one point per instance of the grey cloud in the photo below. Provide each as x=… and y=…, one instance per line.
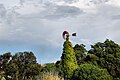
x=43, y=35
x=70, y=1
x=116, y=17
x=2, y=11
x=7, y=15
x=91, y=27
x=64, y=11
x=52, y=12
x=98, y=1
x=68, y=10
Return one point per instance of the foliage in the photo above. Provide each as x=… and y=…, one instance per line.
x=49, y=67
x=101, y=63
x=49, y=76
x=109, y=56
x=20, y=66
x=90, y=72
x=68, y=61
x=80, y=53
x=4, y=64
x=91, y=57
x=26, y=63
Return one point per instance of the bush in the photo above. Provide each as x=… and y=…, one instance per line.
x=49, y=76
x=90, y=72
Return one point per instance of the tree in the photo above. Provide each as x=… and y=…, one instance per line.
x=4, y=63
x=90, y=72
x=27, y=66
x=32, y=71
x=68, y=61
x=109, y=56
x=49, y=67
x=80, y=53
x=12, y=70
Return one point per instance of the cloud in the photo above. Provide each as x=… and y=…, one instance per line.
x=38, y=27
x=8, y=4
x=49, y=11
x=63, y=11
x=70, y=1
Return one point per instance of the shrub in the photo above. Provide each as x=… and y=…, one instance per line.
x=90, y=72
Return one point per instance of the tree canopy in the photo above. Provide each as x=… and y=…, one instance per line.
x=68, y=61
x=108, y=54
x=20, y=66
x=90, y=72
x=101, y=62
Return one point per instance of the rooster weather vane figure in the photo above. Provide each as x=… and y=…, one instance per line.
x=67, y=35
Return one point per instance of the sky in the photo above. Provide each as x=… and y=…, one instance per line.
x=37, y=25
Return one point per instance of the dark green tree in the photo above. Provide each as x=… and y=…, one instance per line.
x=68, y=61
x=92, y=59
x=21, y=66
x=26, y=62
x=80, y=53
x=109, y=56
x=4, y=63
x=32, y=71
x=90, y=72
x=12, y=70
x=49, y=67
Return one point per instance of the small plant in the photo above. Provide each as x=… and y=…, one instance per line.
x=49, y=76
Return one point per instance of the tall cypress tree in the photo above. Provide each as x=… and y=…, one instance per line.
x=68, y=60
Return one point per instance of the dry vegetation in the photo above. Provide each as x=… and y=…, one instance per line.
x=49, y=76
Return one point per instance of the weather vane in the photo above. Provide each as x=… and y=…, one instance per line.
x=66, y=35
